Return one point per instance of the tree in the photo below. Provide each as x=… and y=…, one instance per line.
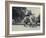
x=39, y=18
x=18, y=13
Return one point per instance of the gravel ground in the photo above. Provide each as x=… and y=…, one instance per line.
x=27, y=27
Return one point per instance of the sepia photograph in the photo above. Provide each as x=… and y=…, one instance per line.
x=25, y=18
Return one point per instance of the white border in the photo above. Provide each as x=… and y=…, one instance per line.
x=23, y=32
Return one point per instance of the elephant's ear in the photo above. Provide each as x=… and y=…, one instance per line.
x=29, y=12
